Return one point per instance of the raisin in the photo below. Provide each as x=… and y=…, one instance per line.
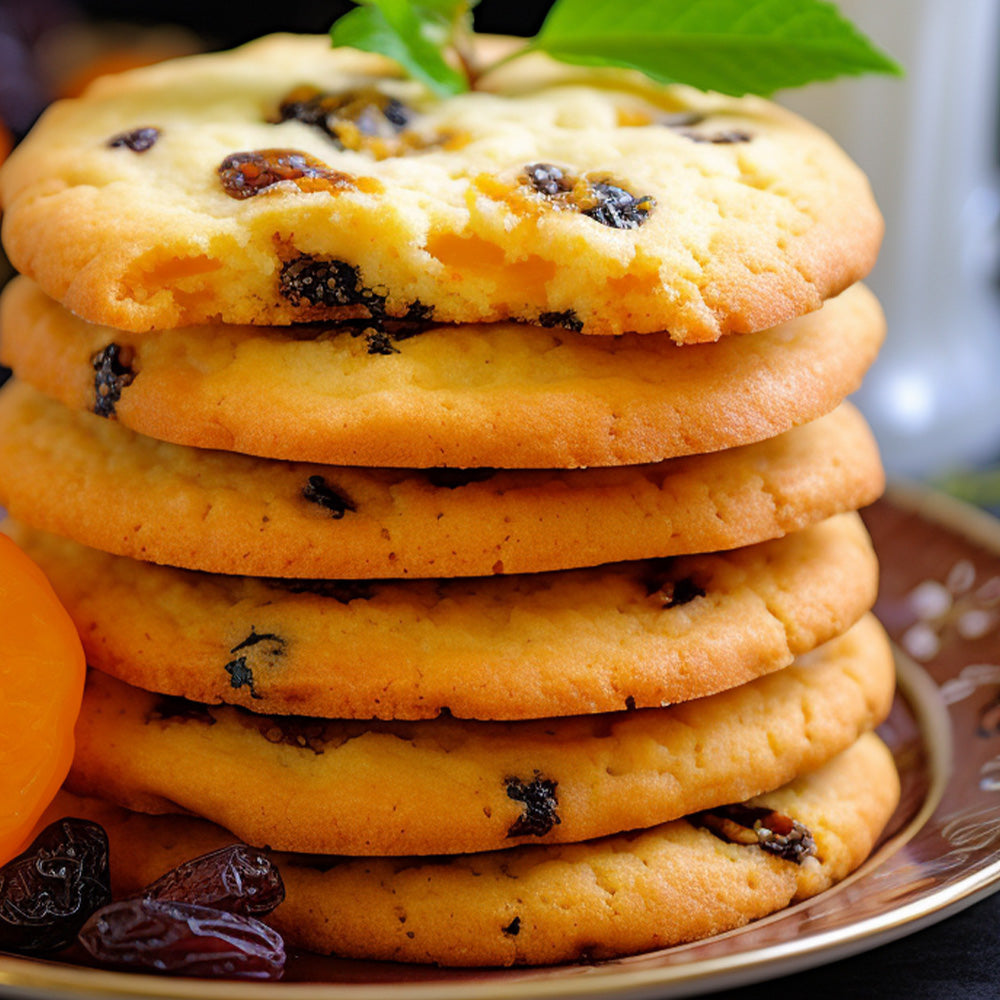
x=112, y=373
x=453, y=479
x=48, y=892
x=240, y=675
x=513, y=928
x=237, y=879
x=540, y=802
x=318, y=491
x=244, y=175
x=417, y=312
x=601, y=200
x=548, y=179
x=328, y=283
x=183, y=938
x=138, y=139
x=630, y=704
x=378, y=340
x=567, y=319
x=617, y=208
x=755, y=826
x=361, y=120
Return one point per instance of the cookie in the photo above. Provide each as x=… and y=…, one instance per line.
x=286, y=181
x=445, y=786
x=503, y=395
x=539, y=904
x=92, y=480
x=529, y=646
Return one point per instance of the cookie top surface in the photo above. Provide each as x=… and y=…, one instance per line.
x=499, y=395
x=540, y=904
x=444, y=786
x=286, y=181
x=90, y=479
x=527, y=646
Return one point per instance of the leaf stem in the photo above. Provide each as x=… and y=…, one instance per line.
x=510, y=57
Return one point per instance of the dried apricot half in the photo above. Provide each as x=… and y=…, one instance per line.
x=42, y=670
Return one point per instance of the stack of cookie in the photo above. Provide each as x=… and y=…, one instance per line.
x=414, y=496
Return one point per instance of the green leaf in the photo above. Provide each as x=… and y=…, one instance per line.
x=733, y=46
x=414, y=35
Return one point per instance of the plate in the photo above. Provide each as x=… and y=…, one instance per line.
x=940, y=601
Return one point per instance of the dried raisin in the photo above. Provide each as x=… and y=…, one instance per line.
x=567, y=319
x=183, y=938
x=48, y=892
x=244, y=175
x=602, y=200
x=540, y=803
x=360, y=120
x=318, y=491
x=755, y=826
x=112, y=373
x=138, y=139
x=237, y=879
x=320, y=282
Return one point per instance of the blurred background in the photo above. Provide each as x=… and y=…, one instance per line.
x=929, y=143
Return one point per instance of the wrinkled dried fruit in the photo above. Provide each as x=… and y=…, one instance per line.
x=618, y=208
x=237, y=879
x=321, y=282
x=352, y=119
x=318, y=491
x=567, y=319
x=244, y=175
x=48, y=892
x=756, y=826
x=138, y=140
x=240, y=675
x=540, y=802
x=184, y=939
x=112, y=373
x=601, y=200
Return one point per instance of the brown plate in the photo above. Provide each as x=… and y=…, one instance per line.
x=940, y=601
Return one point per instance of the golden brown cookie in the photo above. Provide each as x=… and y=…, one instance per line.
x=445, y=786
x=92, y=480
x=502, y=395
x=243, y=187
x=525, y=646
x=533, y=905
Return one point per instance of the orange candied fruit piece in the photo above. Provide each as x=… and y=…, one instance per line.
x=42, y=669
